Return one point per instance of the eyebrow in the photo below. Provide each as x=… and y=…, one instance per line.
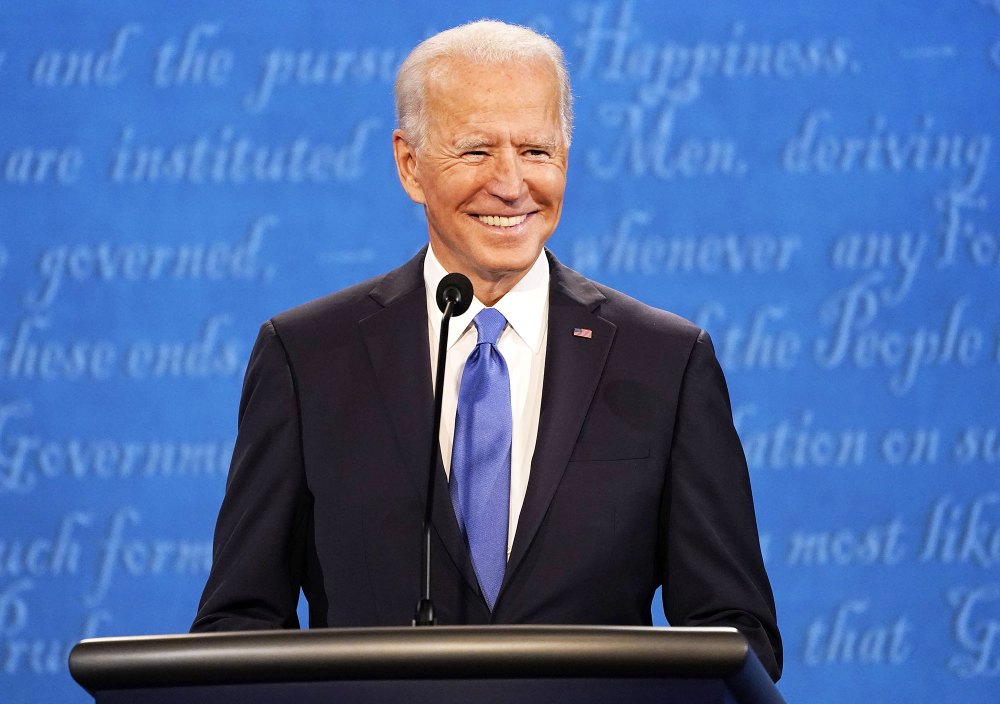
x=546, y=144
x=473, y=143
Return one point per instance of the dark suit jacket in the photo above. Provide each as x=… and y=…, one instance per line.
x=638, y=477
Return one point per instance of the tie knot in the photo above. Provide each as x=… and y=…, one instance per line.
x=489, y=324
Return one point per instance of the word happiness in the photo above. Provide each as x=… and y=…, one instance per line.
x=610, y=48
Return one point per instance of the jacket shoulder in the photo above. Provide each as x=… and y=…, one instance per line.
x=620, y=308
x=624, y=311
x=349, y=303
x=352, y=304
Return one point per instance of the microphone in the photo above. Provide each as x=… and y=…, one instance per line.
x=454, y=296
x=455, y=288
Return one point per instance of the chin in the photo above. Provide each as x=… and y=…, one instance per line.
x=511, y=262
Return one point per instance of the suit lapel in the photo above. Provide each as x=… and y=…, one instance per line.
x=573, y=367
x=404, y=383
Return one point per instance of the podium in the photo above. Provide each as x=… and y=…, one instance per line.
x=437, y=665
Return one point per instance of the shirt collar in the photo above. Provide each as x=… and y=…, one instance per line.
x=525, y=306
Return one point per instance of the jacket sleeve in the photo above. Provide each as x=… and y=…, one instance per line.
x=713, y=570
x=259, y=542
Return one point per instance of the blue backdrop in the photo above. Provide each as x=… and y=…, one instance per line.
x=811, y=182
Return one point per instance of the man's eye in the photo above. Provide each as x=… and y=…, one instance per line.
x=475, y=152
x=537, y=153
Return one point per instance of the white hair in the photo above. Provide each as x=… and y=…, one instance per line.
x=482, y=42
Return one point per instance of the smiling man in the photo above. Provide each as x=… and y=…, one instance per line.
x=588, y=454
x=489, y=164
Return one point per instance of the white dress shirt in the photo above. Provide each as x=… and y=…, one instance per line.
x=522, y=344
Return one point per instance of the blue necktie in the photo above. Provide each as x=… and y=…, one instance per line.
x=480, y=457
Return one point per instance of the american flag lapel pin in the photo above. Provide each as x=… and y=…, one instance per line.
x=583, y=332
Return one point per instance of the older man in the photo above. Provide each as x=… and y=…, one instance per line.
x=588, y=454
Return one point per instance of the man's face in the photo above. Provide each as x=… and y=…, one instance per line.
x=492, y=170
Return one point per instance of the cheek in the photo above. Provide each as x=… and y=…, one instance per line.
x=453, y=191
x=549, y=184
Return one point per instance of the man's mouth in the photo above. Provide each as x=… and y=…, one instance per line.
x=501, y=221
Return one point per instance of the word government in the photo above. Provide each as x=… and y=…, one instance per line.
x=27, y=459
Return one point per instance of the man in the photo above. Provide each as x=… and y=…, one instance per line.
x=613, y=450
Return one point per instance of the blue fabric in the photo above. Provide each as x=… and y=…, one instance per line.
x=480, y=458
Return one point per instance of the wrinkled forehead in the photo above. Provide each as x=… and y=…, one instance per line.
x=452, y=80
x=461, y=92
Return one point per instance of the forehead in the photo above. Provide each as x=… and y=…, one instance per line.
x=462, y=97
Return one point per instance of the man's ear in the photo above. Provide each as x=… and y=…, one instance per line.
x=406, y=166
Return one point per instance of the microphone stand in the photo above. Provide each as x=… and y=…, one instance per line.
x=425, y=607
x=454, y=295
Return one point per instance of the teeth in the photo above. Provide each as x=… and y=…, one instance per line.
x=500, y=221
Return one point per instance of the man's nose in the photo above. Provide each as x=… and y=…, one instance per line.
x=507, y=180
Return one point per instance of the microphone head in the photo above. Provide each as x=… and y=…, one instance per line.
x=455, y=288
